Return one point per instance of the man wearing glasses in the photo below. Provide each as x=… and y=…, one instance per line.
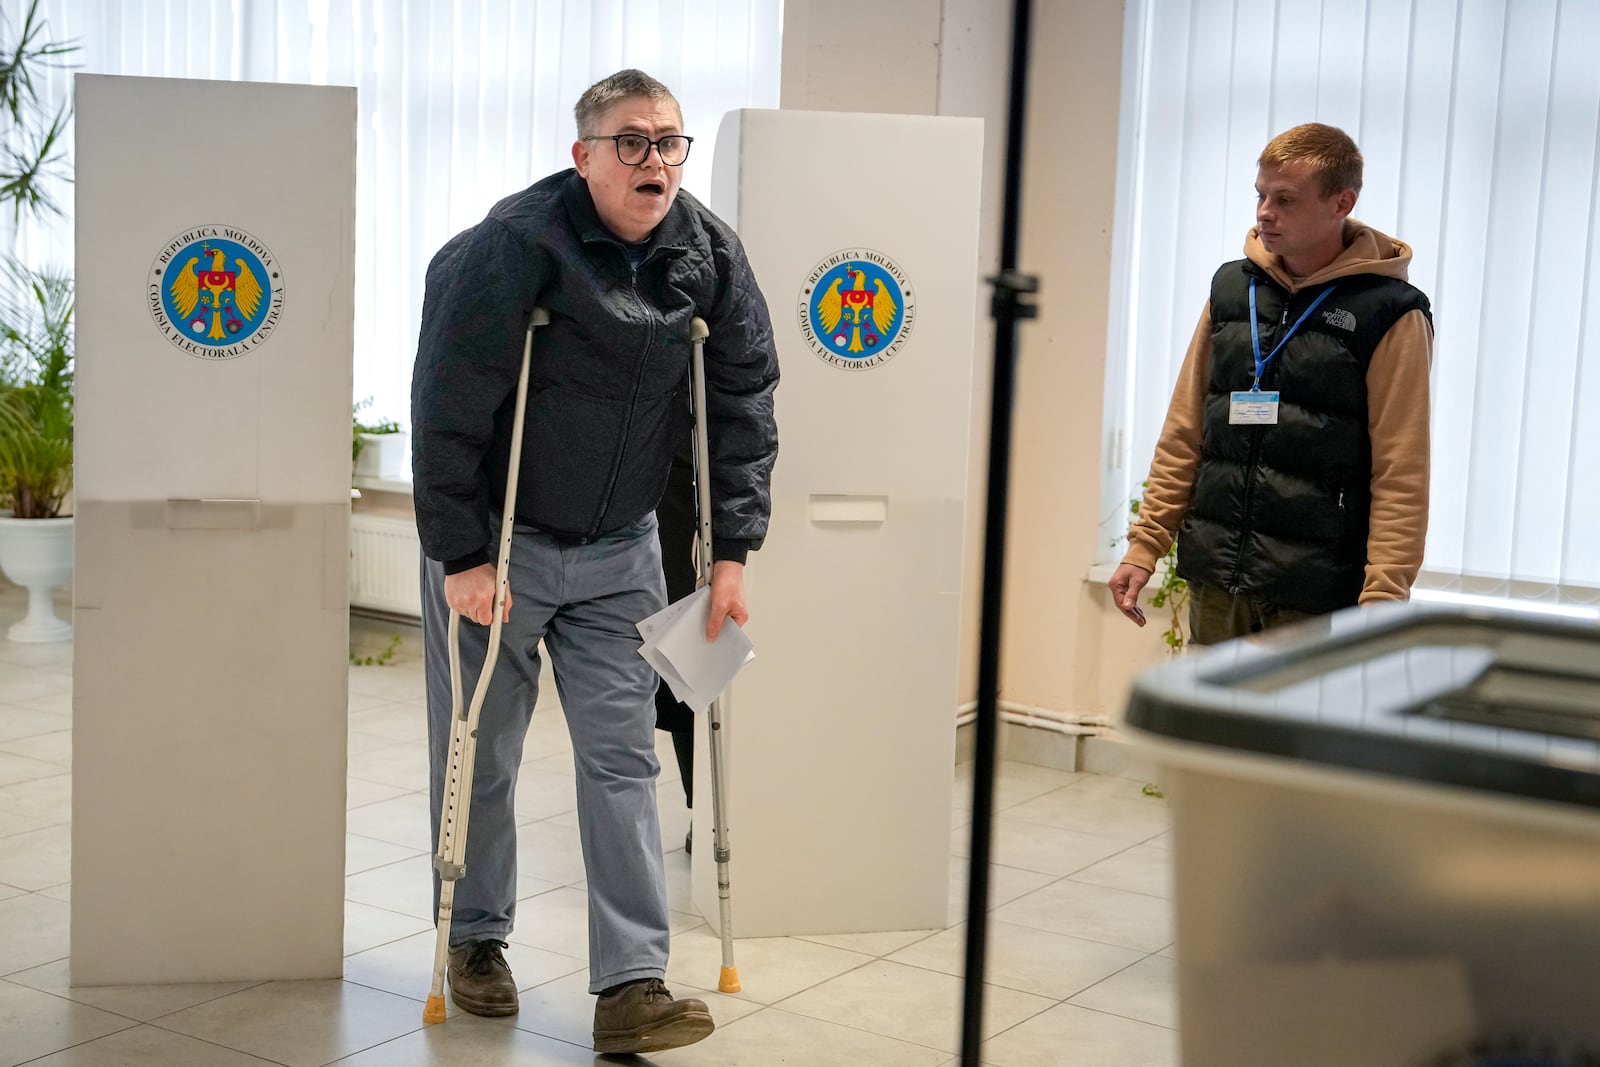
x=622, y=261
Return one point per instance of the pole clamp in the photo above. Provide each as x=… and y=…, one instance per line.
x=1007, y=304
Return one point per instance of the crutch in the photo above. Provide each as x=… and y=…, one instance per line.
x=451, y=858
x=728, y=981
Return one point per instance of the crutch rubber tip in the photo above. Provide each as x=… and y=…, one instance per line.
x=729, y=982
x=434, y=1011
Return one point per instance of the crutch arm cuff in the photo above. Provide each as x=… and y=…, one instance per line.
x=731, y=550
x=466, y=563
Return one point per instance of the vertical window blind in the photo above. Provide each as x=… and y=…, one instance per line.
x=1479, y=122
x=459, y=103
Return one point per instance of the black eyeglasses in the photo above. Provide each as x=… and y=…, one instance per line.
x=634, y=148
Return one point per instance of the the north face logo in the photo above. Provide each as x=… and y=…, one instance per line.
x=1341, y=318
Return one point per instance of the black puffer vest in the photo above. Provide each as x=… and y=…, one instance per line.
x=1280, y=512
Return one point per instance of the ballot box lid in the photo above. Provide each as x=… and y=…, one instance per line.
x=1502, y=701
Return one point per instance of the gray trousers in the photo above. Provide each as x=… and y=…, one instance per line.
x=584, y=602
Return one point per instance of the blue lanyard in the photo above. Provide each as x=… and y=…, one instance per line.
x=1255, y=332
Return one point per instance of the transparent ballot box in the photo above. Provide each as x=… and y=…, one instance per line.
x=1386, y=841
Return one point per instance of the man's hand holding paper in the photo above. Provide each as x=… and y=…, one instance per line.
x=727, y=596
x=677, y=644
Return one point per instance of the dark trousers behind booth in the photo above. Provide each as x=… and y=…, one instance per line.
x=675, y=526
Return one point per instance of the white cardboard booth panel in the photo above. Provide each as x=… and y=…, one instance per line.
x=842, y=731
x=215, y=274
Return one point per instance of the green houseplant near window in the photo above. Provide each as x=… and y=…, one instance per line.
x=377, y=449
x=36, y=346
x=36, y=393
x=36, y=443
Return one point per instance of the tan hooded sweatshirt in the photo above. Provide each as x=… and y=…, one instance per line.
x=1397, y=420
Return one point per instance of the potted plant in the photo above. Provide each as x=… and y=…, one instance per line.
x=36, y=351
x=378, y=449
x=36, y=443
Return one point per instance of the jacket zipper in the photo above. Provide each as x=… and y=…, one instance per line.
x=633, y=403
x=1250, y=481
x=1249, y=494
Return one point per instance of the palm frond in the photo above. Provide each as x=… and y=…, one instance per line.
x=18, y=93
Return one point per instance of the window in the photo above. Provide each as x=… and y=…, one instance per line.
x=459, y=104
x=1479, y=121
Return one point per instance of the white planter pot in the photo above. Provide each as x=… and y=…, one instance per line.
x=384, y=455
x=37, y=555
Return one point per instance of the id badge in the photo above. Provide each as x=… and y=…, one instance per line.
x=1249, y=408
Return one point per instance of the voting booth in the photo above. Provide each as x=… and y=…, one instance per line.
x=215, y=274
x=841, y=732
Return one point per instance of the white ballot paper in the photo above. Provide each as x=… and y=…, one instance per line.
x=675, y=644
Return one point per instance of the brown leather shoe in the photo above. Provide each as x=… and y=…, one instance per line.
x=480, y=981
x=641, y=1016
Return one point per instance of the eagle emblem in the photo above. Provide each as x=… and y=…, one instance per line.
x=216, y=292
x=854, y=308
x=215, y=297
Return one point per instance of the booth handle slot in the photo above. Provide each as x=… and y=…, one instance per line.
x=839, y=508
x=213, y=513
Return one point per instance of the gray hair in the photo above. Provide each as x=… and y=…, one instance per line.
x=623, y=85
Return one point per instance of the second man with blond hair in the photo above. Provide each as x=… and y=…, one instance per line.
x=1293, y=464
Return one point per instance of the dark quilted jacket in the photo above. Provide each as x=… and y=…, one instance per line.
x=609, y=384
x=1281, y=512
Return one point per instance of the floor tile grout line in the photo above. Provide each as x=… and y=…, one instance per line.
x=216, y=1044
x=928, y=935
x=30, y=967
x=249, y=985
x=257, y=1055
x=1125, y=1018
x=1053, y=1004
x=843, y=1026
x=109, y=1011
x=1073, y=875
x=347, y=980
x=1086, y=937
x=1121, y=970
x=849, y=970
x=990, y=1037
x=78, y=1044
x=990, y=982
x=1121, y=889
x=19, y=833
x=1061, y=877
x=1000, y=815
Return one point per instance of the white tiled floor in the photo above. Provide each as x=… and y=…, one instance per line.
x=1080, y=967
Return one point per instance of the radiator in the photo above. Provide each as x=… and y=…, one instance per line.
x=385, y=560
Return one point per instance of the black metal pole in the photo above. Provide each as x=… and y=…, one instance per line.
x=1006, y=307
